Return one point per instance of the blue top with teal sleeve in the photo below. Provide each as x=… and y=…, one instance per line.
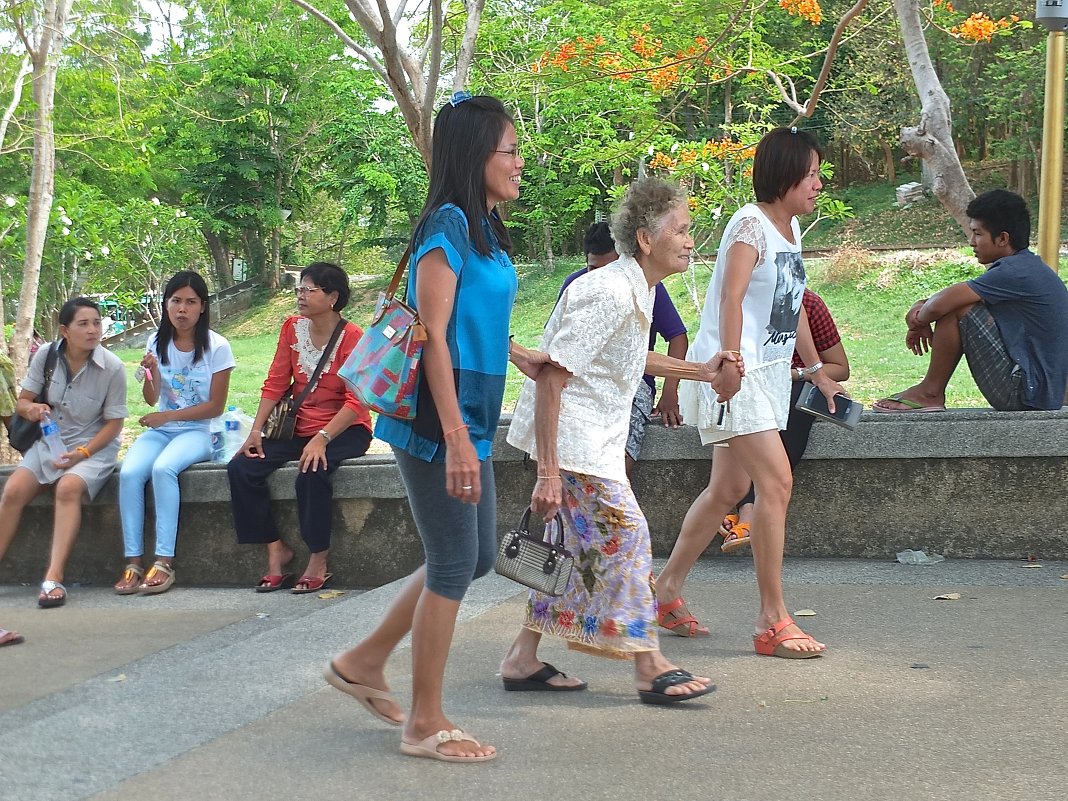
x=477, y=336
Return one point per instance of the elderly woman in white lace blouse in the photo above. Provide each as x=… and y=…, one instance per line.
x=574, y=418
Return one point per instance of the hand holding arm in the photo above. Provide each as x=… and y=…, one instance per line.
x=528, y=361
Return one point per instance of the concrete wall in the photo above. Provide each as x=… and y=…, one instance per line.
x=962, y=483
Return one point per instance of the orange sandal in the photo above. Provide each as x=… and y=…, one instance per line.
x=770, y=643
x=664, y=617
x=735, y=534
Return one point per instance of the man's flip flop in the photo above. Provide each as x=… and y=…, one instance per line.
x=428, y=747
x=365, y=695
x=540, y=681
x=671, y=678
x=10, y=637
x=913, y=406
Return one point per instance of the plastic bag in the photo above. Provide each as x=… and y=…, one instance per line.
x=911, y=557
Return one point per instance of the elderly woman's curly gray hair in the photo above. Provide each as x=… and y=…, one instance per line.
x=646, y=204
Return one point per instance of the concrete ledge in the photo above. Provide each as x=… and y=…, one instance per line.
x=967, y=483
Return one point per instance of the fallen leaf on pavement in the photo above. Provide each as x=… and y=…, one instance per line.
x=120, y=677
x=919, y=665
x=804, y=613
x=1032, y=565
x=762, y=704
x=262, y=615
x=1065, y=576
x=329, y=595
x=949, y=596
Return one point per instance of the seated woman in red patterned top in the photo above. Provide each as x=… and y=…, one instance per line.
x=331, y=426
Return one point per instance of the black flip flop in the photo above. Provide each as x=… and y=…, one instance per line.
x=539, y=681
x=670, y=679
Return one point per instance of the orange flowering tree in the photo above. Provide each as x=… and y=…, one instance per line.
x=605, y=92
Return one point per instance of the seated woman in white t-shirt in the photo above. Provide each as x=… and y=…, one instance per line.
x=186, y=369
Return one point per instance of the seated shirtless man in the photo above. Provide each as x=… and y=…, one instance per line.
x=1011, y=322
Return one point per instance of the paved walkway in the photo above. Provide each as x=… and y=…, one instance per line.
x=216, y=694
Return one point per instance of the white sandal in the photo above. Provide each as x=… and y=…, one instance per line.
x=46, y=601
x=428, y=747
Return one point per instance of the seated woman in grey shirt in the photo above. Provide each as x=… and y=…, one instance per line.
x=87, y=400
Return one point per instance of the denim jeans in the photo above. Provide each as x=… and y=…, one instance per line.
x=161, y=456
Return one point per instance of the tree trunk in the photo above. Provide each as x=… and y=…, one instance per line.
x=276, y=256
x=412, y=70
x=44, y=54
x=888, y=162
x=932, y=139
x=220, y=257
x=256, y=257
x=728, y=118
x=547, y=237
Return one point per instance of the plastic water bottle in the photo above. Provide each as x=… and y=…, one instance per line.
x=50, y=434
x=218, y=446
x=232, y=438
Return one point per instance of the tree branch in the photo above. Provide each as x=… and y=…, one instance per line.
x=832, y=48
x=467, y=44
x=25, y=68
x=347, y=40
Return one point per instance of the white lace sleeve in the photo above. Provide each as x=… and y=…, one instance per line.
x=588, y=314
x=749, y=230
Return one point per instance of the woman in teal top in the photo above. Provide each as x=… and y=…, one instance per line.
x=463, y=284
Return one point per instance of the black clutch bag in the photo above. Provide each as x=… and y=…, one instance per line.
x=533, y=562
x=846, y=411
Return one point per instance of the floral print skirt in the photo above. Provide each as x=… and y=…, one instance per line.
x=608, y=608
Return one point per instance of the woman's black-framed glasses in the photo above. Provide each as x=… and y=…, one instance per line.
x=306, y=290
x=511, y=152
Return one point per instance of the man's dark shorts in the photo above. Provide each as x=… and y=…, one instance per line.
x=640, y=411
x=998, y=377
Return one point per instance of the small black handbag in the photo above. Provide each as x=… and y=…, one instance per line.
x=528, y=559
x=23, y=433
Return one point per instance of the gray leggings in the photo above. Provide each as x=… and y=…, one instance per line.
x=460, y=539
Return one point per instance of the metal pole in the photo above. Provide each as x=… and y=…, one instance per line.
x=1050, y=175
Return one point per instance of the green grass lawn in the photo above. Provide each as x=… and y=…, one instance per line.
x=867, y=294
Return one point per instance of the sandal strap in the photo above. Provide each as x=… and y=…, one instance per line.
x=673, y=623
x=671, y=678
x=48, y=586
x=160, y=567
x=132, y=570
x=775, y=637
